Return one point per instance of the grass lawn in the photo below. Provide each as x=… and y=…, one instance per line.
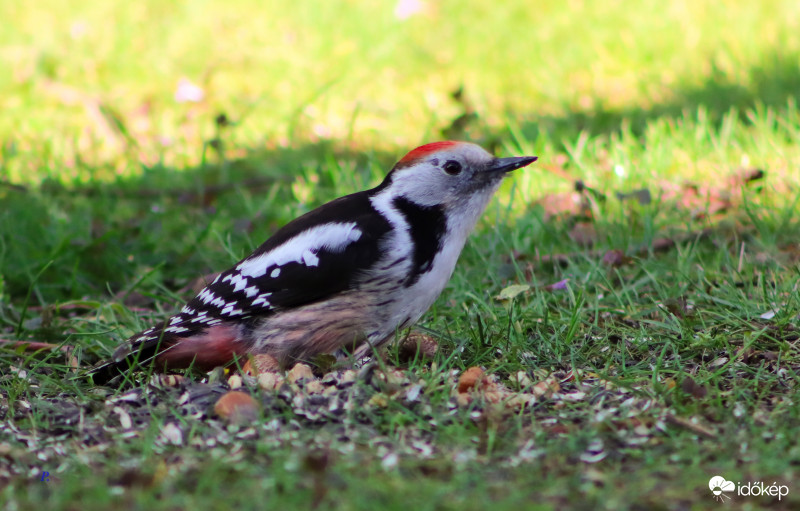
x=632, y=298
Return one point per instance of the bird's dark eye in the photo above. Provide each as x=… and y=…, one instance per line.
x=452, y=167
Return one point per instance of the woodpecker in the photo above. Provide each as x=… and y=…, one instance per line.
x=341, y=279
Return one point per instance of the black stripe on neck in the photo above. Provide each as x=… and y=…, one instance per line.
x=427, y=226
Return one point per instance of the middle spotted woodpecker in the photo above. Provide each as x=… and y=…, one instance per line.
x=343, y=278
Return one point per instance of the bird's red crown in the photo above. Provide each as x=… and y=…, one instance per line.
x=424, y=150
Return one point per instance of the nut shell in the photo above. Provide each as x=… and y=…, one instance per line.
x=417, y=345
x=259, y=364
x=469, y=379
x=236, y=407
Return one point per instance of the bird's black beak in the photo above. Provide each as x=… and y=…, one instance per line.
x=509, y=164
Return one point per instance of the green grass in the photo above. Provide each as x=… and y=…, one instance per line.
x=114, y=198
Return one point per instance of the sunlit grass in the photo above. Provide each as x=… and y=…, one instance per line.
x=355, y=73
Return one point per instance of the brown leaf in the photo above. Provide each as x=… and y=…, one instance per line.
x=679, y=306
x=561, y=285
x=692, y=388
x=615, y=258
x=770, y=356
x=662, y=244
x=137, y=478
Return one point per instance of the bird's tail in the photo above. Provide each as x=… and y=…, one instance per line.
x=204, y=349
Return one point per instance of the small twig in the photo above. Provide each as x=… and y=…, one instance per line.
x=35, y=345
x=691, y=426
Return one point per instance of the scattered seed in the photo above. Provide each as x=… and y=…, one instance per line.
x=299, y=372
x=171, y=434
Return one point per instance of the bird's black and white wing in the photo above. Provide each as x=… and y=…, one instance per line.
x=316, y=256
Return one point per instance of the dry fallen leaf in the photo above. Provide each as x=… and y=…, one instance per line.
x=721, y=361
x=692, y=388
x=615, y=258
x=561, y=285
x=511, y=292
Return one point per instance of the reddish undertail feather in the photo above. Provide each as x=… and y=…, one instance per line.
x=426, y=149
x=217, y=346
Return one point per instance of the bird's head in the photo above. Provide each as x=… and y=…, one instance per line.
x=450, y=174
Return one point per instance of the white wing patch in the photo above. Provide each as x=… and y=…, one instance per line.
x=231, y=311
x=303, y=248
x=310, y=258
x=219, y=301
x=262, y=300
x=237, y=281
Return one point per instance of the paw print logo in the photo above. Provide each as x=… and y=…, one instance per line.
x=718, y=485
